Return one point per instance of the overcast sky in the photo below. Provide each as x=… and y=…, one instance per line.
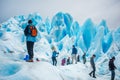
x=80, y=10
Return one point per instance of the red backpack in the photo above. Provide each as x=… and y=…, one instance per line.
x=33, y=31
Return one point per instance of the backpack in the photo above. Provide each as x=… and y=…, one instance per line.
x=33, y=31
x=26, y=31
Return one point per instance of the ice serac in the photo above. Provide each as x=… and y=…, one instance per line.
x=60, y=25
x=58, y=20
x=89, y=32
x=35, y=17
x=1, y=33
x=20, y=18
x=96, y=44
x=107, y=41
x=117, y=62
x=103, y=23
x=65, y=43
x=48, y=25
x=68, y=21
x=108, y=38
x=115, y=46
x=80, y=42
x=57, y=26
x=75, y=29
x=116, y=37
x=11, y=25
x=58, y=33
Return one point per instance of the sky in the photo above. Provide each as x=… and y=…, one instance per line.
x=80, y=10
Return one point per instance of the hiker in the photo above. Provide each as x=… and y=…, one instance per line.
x=68, y=61
x=112, y=68
x=54, y=55
x=30, y=33
x=63, y=61
x=93, y=66
x=78, y=58
x=84, y=58
x=74, y=54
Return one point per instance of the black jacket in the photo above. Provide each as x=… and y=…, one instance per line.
x=92, y=62
x=111, y=65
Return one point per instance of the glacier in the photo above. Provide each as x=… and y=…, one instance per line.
x=62, y=31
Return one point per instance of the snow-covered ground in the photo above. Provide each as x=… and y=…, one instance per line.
x=62, y=32
x=11, y=69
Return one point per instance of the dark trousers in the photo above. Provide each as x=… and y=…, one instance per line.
x=30, y=49
x=54, y=61
x=112, y=74
x=68, y=62
x=93, y=72
x=84, y=61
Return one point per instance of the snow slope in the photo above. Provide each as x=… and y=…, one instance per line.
x=21, y=70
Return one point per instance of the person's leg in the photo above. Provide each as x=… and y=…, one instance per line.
x=94, y=72
x=90, y=73
x=72, y=58
x=28, y=49
x=112, y=75
x=55, y=61
x=85, y=61
x=75, y=59
x=31, y=50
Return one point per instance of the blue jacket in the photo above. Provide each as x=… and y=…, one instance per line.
x=55, y=54
x=74, y=50
x=29, y=37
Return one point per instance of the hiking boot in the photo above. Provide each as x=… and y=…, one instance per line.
x=29, y=60
x=94, y=77
x=89, y=74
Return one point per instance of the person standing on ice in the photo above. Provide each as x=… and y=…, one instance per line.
x=93, y=66
x=54, y=55
x=84, y=58
x=74, y=54
x=63, y=61
x=30, y=33
x=112, y=68
x=78, y=58
x=68, y=61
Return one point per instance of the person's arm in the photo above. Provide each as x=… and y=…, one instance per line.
x=114, y=66
x=57, y=53
x=26, y=31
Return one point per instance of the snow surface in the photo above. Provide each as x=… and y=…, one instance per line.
x=62, y=32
